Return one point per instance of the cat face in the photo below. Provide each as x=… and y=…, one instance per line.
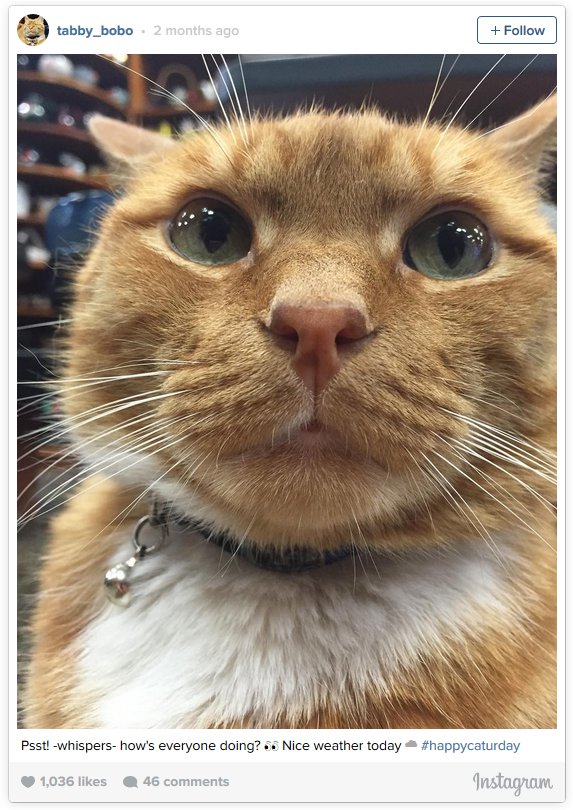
x=32, y=32
x=311, y=320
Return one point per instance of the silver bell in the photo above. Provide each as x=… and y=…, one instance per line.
x=116, y=582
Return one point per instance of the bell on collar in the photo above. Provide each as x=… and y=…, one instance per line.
x=117, y=580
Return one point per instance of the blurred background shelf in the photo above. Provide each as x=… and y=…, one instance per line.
x=70, y=87
x=61, y=180
x=56, y=131
x=34, y=220
x=36, y=311
x=61, y=171
x=166, y=110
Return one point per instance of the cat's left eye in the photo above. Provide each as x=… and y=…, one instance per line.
x=209, y=231
x=449, y=245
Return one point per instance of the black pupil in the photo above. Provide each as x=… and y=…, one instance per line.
x=215, y=228
x=455, y=239
x=452, y=242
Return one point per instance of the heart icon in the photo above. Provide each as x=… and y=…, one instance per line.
x=27, y=781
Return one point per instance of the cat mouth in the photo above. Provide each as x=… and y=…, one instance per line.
x=309, y=438
x=314, y=426
x=314, y=434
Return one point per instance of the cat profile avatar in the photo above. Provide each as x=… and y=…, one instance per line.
x=33, y=30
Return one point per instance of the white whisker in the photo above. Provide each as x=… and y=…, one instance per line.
x=221, y=105
x=469, y=449
x=490, y=479
x=475, y=522
x=507, y=86
x=208, y=127
x=514, y=454
x=100, y=467
x=238, y=100
x=437, y=91
x=460, y=108
x=105, y=411
x=477, y=423
x=487, y=492
x=249, y=115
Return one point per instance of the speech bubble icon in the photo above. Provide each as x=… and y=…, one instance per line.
x=130, y=781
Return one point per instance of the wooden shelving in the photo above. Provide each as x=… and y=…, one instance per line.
x=167, y=110
x=72, y=86
x=32, y=220
x=39, y=287
x=151, y=65
x=105, y=65
x=36, y=311
x=40, y=293
x=55, y=131
x=61, y=178
x=35, y=264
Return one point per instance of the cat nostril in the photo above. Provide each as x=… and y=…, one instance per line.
x=284, y=331
x=342, y=339
x=322, y=323
x=318, y=334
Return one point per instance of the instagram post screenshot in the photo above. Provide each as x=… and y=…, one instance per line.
x=286, y=404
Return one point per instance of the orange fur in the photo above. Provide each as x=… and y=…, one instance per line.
x=330, y=198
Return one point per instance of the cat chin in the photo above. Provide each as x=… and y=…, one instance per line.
x=279, y=498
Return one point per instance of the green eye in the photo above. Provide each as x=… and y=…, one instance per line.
x=449, y=245
x=208, y=231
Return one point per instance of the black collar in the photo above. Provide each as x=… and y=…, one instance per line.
x=293, y=560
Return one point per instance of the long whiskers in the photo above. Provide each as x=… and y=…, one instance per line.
x=475, y=422
x=436, y=92
x=463, y=104
x=501, y=92
x=450, y=491
x=471, y=451
x=221, y=105
x=503, y=491
x=207, y=126
x=466, y=475
x=77, y=448
x=101, y=412
x=234, y=101
x=237, y=97
x=91, y=383
x=101, y=465
x=240, y=61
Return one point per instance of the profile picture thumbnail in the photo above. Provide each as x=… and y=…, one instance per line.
x=33, y=29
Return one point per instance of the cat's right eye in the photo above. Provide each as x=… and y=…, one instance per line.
x=449, y=245
x=209, y=231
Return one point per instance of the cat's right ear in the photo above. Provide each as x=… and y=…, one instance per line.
x=126, y=143
x=529, y=139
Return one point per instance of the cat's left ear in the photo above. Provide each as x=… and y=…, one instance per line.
x=529, y=139
x=126, y=142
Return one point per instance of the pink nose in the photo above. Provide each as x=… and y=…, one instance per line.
x=318, y=335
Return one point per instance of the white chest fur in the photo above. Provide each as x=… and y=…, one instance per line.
x=209, y=639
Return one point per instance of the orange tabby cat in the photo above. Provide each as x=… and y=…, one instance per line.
x=319, y=352
x=32, y=31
